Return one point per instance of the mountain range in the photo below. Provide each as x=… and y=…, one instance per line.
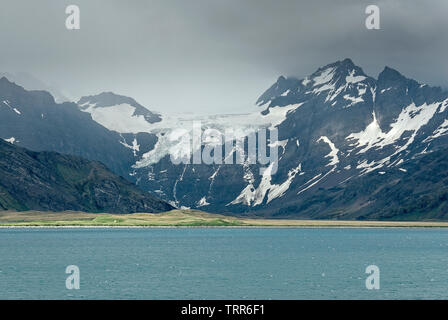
x=30, y=82
x=350, y=146
x=49, y=181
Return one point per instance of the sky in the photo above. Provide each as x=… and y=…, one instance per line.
x=209, y=56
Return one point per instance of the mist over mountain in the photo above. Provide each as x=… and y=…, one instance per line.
x=110, y=100
x=30, y=82
x=342, y=128
x=350, y=146
x=35, y=121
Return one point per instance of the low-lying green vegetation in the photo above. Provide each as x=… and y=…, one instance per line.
x=180, y=218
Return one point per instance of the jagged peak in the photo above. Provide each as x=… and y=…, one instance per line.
x=287, y=79
x=45, y=95
x=389, y=73
x=335, y=74
x=340, y=68
x=106, y=99
x=281, y=78
x=5, y=80
x=282, y=85
x=109, y=99
x=347, y=63
x=390, y=77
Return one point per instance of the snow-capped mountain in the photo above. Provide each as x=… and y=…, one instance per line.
x=118, y=113
x=336, y=126
x=353, y=128
x=349, y=146
x=33, y=120
x=156, y=157
x=125, y=116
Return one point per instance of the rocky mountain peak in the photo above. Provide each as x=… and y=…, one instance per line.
x=110, y=99
x=332, y=80
x=390, y=75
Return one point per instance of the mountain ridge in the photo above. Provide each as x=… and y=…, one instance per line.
x=337, y=128
x=110, y=99
x=55, y=182
x=368, y=123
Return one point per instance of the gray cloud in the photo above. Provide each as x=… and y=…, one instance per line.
x=213, y=56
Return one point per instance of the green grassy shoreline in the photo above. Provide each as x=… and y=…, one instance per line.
x=180, y=218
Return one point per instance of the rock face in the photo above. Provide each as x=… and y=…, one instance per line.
x=415, y=190
x=36, y=122
x=348, y=143
x=350, y=146
x=30, y=82
x=51, y=181
x=365, y=146
x=123, y=116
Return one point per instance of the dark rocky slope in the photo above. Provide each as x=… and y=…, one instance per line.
x=52, y=181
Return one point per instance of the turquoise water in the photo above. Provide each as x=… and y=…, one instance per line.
x=220, y=263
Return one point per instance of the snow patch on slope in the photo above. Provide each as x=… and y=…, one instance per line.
x=411, y=118
x=202, y=202
x=354, y=100
x=135, y=147
x=324, y=77
x=351, y=78
x=443, y=106
x=119, y=118
x=7, y=103
x=333, y=153
x=10, y=140
x=252, y=196
x=440, y=131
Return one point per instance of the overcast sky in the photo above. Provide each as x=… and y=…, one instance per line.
x=208, y=56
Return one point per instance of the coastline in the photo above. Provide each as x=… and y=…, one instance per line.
x=184, y=219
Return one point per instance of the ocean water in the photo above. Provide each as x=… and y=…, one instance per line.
x=223, y=263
